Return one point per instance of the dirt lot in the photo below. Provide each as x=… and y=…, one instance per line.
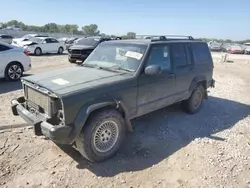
x=167, y=149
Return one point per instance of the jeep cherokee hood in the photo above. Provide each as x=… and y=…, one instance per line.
x=69, y=80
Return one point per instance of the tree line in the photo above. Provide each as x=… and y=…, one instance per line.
x=88, y=30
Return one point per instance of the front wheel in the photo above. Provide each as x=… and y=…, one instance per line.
x=102, y=135
x=193, y=104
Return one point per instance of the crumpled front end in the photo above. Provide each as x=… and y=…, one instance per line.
x=44, y=110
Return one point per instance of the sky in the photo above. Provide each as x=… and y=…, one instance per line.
x=198, y=18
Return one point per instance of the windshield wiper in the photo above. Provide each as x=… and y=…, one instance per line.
x=90, y=65
x=117, y=67
x=98, y=67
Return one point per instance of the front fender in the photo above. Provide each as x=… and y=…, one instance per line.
x=84, y=114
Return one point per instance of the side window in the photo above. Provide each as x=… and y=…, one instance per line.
x=201, y=53
x=178, y=54
x=6, y=37
x=159, y=55
x=48, y=40
x=3, y=48
x=53, y=40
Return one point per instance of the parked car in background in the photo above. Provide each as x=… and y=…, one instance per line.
x=6, y=38
x=70, y=42
x=247, y=48
x=41, y=45
x=235, y=49
x=17, y=41
x=63, y=39
x=83, y=47
x=13, y=27
x=225, y=47
x=13, y=61
x=215, y=47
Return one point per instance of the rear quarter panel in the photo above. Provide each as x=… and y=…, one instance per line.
x=17, y=55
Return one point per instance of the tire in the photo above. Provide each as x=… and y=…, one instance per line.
x=103, y=127
x=13, y=71
x=60, y=50
x=38, y=51
x=72, y=61
x=197, y=96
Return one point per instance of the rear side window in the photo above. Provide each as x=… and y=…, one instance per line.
x=48, y=40
x=53, y=40
x=178, y=54
x=201, y=53
x=3, y=48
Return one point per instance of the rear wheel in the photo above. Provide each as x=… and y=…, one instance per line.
x=38, y=51
x=60, y=50
x=13, y=71
x=193, y=104
x=102, y=135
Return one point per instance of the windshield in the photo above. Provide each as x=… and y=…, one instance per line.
x=88, y=41
x=34, y=39
x=120, y=56
x=28, y=36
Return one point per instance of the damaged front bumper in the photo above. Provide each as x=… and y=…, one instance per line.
x=57, y=133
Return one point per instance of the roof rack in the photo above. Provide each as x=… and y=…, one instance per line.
x=171, y=37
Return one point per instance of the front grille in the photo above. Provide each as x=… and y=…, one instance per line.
x=37, y=101
x=76, y=52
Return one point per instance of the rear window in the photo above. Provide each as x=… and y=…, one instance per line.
x=3, y=48
x=201, y=53
x=6, y=37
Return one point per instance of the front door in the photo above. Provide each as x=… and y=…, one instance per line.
x=155, y=92
x=46, y=46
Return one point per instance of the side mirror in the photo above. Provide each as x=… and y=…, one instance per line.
x=152, y=70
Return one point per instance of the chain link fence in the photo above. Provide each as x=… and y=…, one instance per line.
x=18, y=34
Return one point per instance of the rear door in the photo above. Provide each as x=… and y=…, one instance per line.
x=54, y=45
x=183, y=68
x=203, y=60
x=46, y=46
x=4, y=59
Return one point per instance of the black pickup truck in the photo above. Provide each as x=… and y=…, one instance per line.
x=83, y=47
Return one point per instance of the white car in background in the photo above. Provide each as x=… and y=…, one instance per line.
x=41, y=45
x=14, y=61
x=17, y=41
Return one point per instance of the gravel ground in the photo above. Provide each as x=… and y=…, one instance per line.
x=167, y=149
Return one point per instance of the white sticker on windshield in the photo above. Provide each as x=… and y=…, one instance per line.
x=60, y=81
x=134, y=55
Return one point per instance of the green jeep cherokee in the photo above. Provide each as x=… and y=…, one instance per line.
x=90, y=106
